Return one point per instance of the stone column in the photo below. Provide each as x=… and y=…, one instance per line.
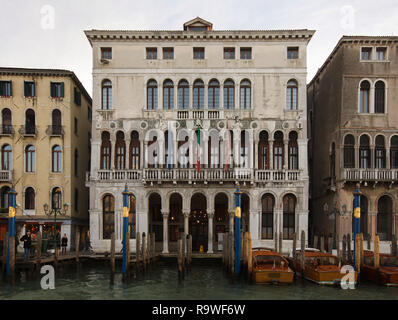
x=186, y=222
x=165, y=215
x=388, y=164
x=286, y=154
x=255, y=224
x=256, y=154
x=145, y=151
x=372, y=156
x=142, y=154
x=221, y=106
x=205, y=150
x=231, y=220
x=210, y=215
x=112, y=155
x=357, y=164
x=205, y=97
x=372, y=224
x=95, y=157
x=271, y=154
x=237, y=101
x=127, y=153
x=190, y=97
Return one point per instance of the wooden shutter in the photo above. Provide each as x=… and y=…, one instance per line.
x=62, y=89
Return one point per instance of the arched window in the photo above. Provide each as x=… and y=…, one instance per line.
x=380, y=153
x=263, y=151
x=278, y=150
x=332, y=161
x=108, y=214
x=394, y=152
x=4, y=197
x=56, y=198
x=364, y=97
x=289, y=209
x=364, y=152
x=198, y=94
x=229, y=94
x=183, y=95
x=291, y=95
x=106, y=95
x=30, y=159
x=29, y=199
x=349, y=151
x=132, y=216
x=6, y=157
x=168, y=95
x=152, y=95
x=56, y=159
x=214, y=149
x=56, y=122
x=244, y=149
x=120, y=151
x=267, y=218
x=245, y=94
x=384, y=218
x=105, y=151
x=30, y=122
x=214, y=94
x=6, y=121
x=380, y=97
x=293, y=151
x=134, y=151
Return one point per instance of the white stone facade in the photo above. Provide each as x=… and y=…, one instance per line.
x=268, y=73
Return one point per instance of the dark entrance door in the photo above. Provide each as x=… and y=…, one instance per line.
x=198, y=227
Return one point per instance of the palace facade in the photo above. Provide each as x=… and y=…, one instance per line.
x=354, y=138
x=45, y=137
x=235, y=101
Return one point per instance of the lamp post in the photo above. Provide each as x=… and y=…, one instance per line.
x=55, y=211
x=335, y=211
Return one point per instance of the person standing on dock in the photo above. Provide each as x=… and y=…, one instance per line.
x=27, y=243
x=64, y=243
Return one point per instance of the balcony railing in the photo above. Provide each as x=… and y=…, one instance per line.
x=370, y=174
x=106, y=114
x=196, y=114
x=55, y=131
x=28, y=130
x=6, y=130
x=5, y=175
x=192, y=175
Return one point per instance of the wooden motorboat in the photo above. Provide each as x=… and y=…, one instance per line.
x=270, y=267
x=320, y=267
x=385, y=274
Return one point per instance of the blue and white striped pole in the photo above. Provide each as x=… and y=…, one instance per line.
x=11, y=225
x=357, y=219
x=125, y=227
x=238, y=215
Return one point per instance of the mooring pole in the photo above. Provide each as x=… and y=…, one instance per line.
x=238, y=196
x=125, y=227
x=357, y=221
x=10, y=266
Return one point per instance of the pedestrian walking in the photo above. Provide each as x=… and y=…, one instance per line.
x=27, y=243
x=64, y=243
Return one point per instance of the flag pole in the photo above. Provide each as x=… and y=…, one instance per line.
x=11, y=226
x=357, y=219
x=238, y=197
x=125, y=227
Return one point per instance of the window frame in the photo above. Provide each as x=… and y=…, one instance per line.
x=199, y=53
x=229, y=53
x=151, y=53
x=168, y=53
x=106, y=53
x=294, y=51
x=246, y=53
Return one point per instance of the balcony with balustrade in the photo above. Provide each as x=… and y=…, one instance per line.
x=5, y=176
x=204, y=114
x=369, y=175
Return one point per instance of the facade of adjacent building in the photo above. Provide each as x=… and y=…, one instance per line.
x=163, y=101
x=354, y=137
x=45, y=137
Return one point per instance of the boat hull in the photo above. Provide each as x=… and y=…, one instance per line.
x=387, y=276
x=273, y=277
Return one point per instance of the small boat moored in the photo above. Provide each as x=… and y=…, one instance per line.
x=387, y=271
x=270, y=267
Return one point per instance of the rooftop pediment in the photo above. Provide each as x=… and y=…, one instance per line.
x=198, y=24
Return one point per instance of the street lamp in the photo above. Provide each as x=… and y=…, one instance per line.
x=335, y=211
x=55, y=212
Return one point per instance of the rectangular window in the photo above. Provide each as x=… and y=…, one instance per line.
x=168, y=53
x=106, y=53
x=57, y=89
x=366, y=53
x=75, y=126
x=5, y=88
x=229, y=53
x=292, y=52
x=245, y=53
x=381, y=54
x=198, y=53
x=29, y=89
x=78, y=97
x=151, y=53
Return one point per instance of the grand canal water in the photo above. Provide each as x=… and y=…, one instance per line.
x=92, y=281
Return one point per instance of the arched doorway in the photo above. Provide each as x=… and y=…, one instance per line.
x=176, y=220
x=155, y=216
x=384, y=218
x=220, y=217
x=198, y=221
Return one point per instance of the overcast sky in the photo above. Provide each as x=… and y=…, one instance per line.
x=49, y=34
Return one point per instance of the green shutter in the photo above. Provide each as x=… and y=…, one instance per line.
x=24, y=88
x=34, y=89
x=52, y=91
x=10, y=88
x=62, y=89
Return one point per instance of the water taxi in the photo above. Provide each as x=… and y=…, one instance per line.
x=270, y=267
x=385, y=274
x=320, y=267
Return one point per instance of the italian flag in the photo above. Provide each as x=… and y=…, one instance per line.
x=198, y=150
